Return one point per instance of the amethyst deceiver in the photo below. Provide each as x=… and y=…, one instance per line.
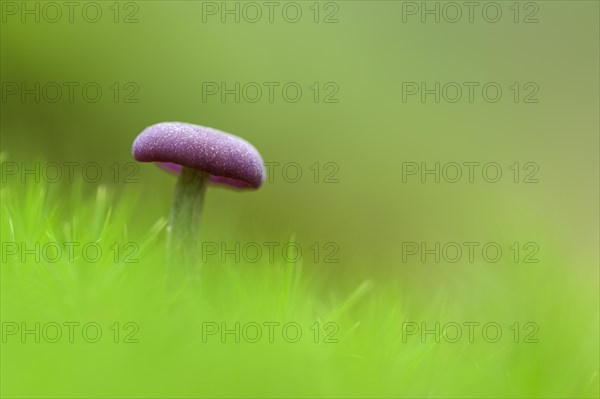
x=227, y=158
x=198, y=154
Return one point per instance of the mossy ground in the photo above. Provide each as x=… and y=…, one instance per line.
x=353, y=340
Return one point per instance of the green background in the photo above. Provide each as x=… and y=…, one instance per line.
x=368, y=213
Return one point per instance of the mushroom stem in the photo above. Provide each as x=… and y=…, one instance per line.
x=184, y=223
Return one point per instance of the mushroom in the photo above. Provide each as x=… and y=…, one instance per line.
x=217, y=180
x=198, y=154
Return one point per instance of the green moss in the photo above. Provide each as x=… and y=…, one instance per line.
x=162, y=341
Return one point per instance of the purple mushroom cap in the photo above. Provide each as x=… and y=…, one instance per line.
x=229, y=159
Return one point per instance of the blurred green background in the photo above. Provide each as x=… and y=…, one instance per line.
x=167, y=52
